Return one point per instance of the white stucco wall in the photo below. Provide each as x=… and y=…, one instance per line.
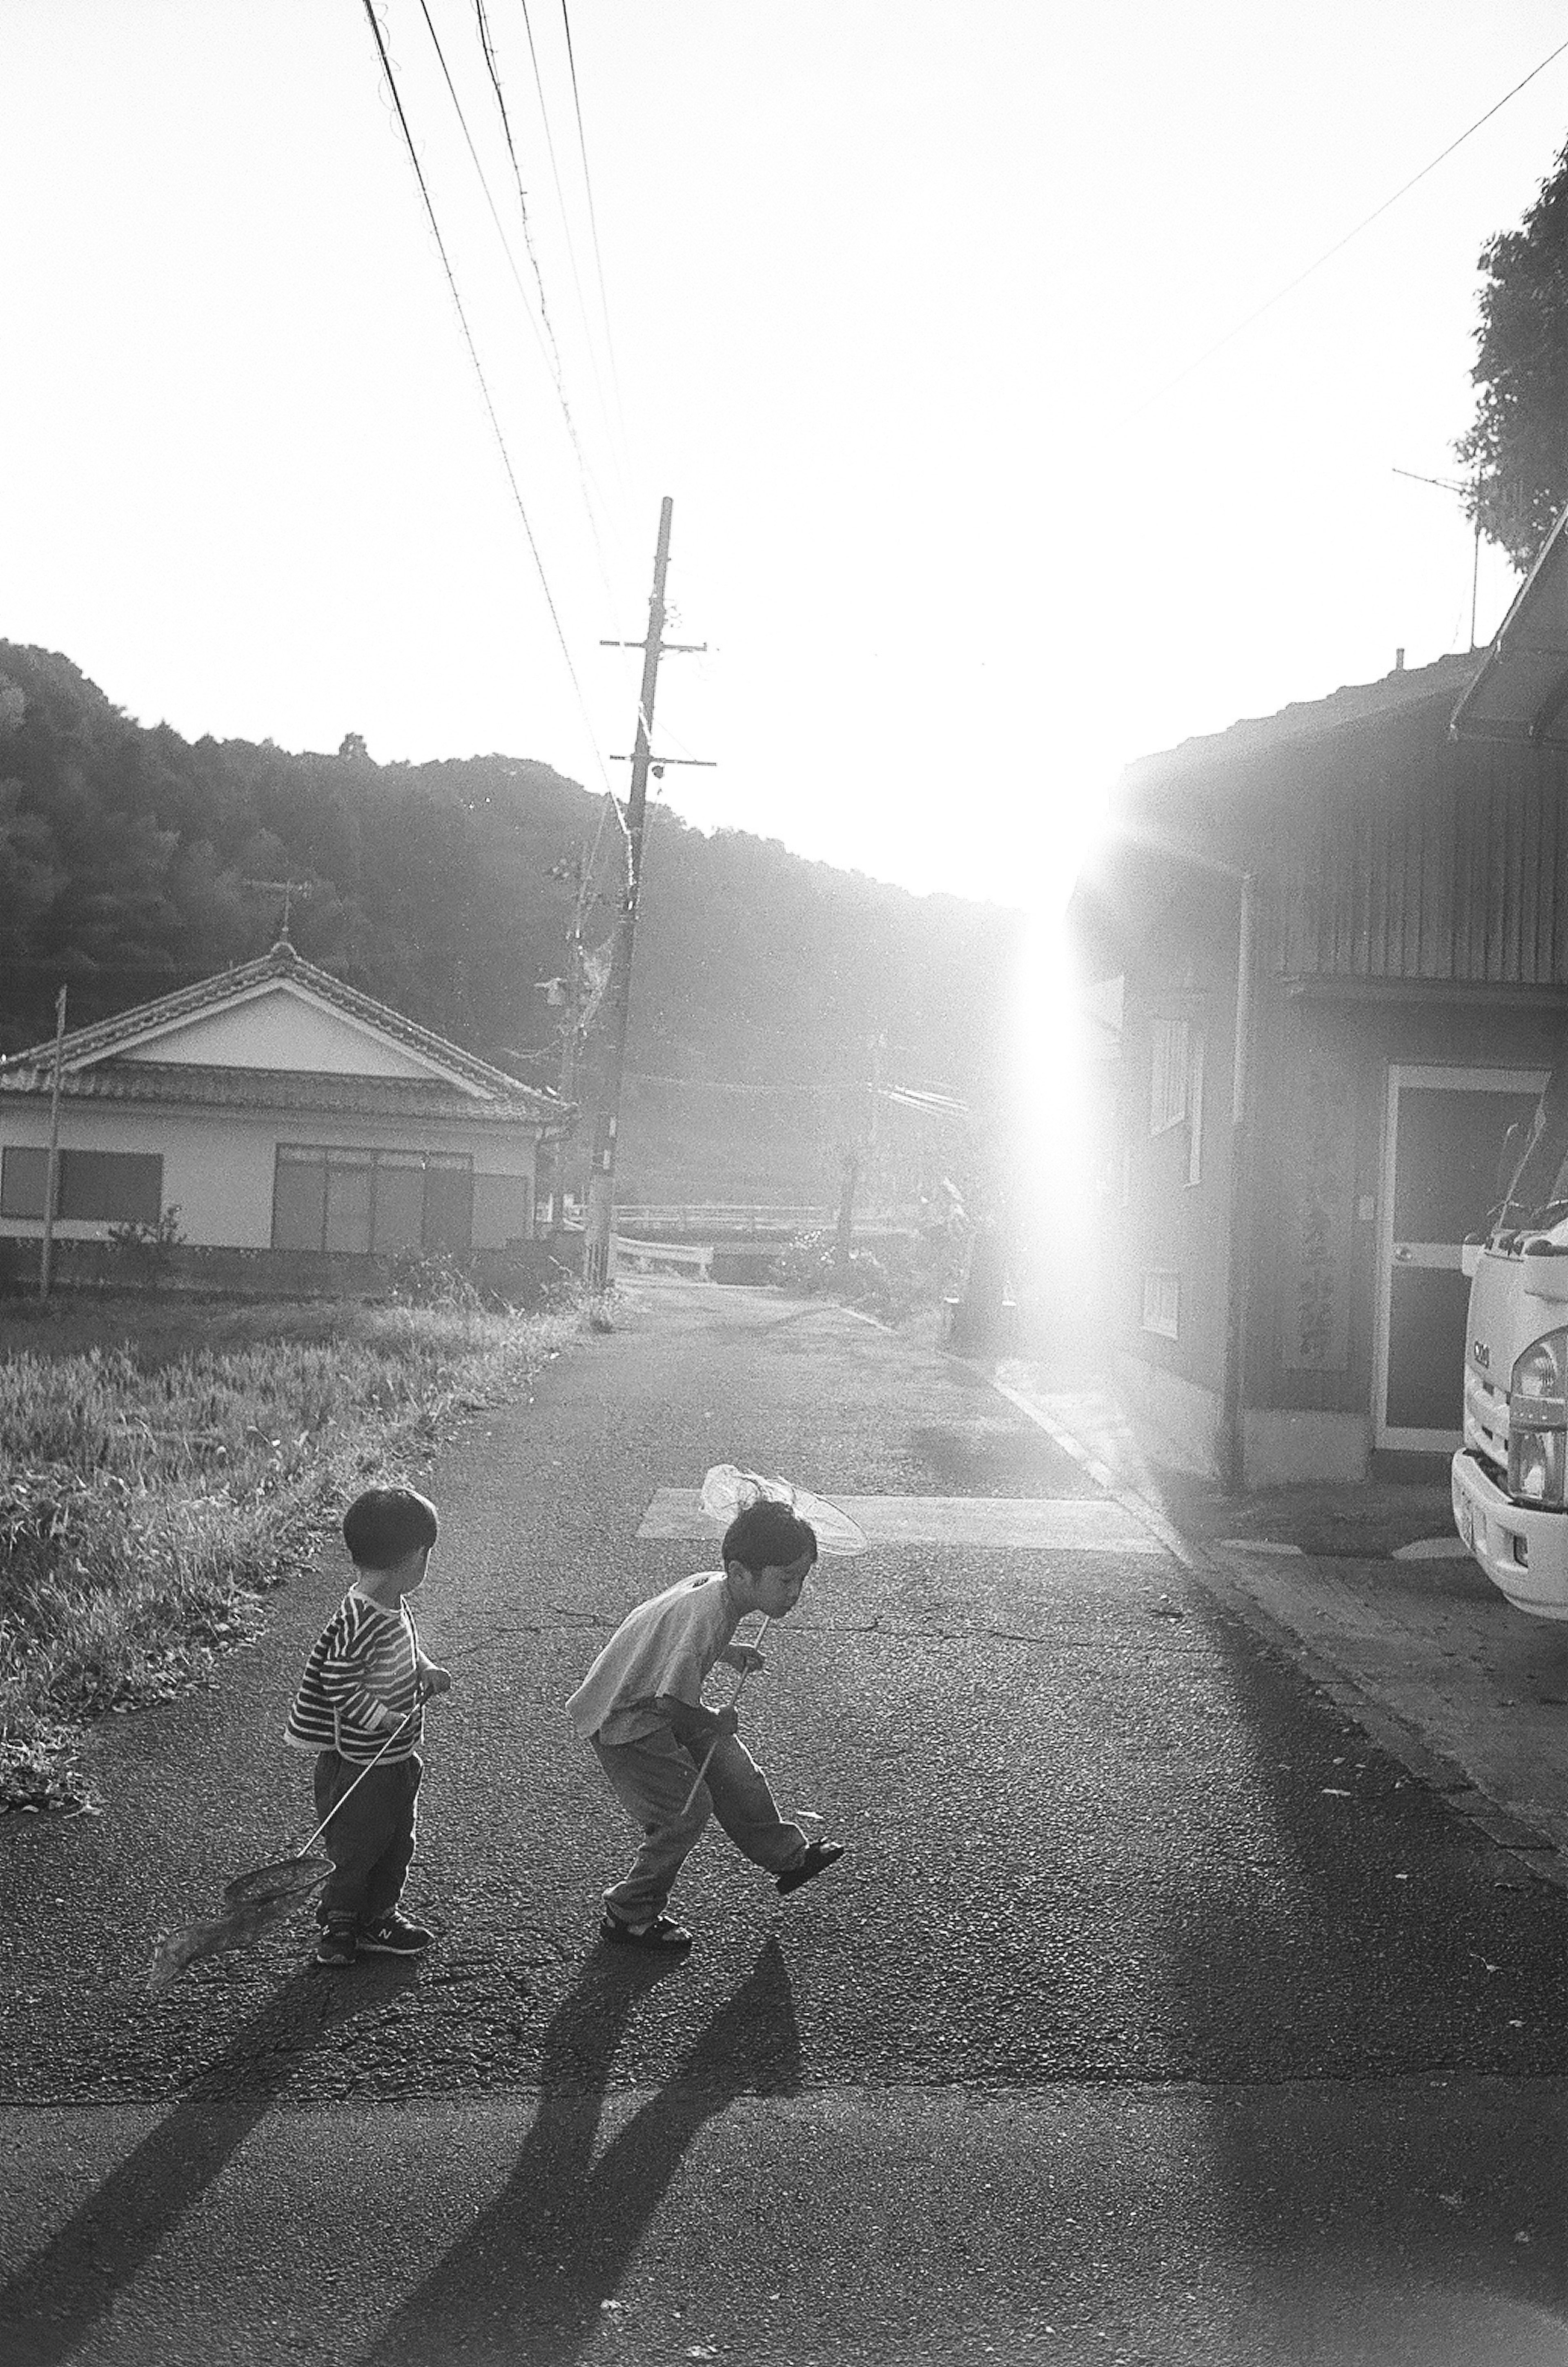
x=217, y=1165
x=282, y=1027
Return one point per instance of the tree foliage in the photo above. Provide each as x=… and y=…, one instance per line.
x=128, y=864
x=1517, y=443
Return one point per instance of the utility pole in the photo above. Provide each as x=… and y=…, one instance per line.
x=52, y=1169
x=601, y=1176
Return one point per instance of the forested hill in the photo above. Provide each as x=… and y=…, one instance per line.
x=125, y=853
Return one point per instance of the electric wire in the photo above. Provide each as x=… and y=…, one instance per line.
x=549, y=345
x=522, y=293
x=592, y=217
x=1339, y=244
x=383, y=53
x=565, y=214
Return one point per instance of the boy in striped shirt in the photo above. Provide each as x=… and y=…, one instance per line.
x=358, y=1708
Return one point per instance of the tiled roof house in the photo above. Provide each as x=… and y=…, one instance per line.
x=275, y=1109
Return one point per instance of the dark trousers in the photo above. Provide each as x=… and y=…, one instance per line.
x=370, y=1840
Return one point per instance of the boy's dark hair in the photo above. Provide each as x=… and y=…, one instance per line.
x=768, y=1535
x=384, y=1525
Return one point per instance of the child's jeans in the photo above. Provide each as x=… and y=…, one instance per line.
x=652, y=1777
x=370, y=1840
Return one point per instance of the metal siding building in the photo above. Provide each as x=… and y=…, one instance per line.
x=1289, y=1301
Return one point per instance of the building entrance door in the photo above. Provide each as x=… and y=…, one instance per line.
x=1442, y=1142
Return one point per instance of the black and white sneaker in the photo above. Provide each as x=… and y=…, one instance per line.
x=393, y=1937
x=819, y=1856
x=662, y=1932
x=337, y=1946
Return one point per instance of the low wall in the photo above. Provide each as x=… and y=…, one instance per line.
x=1279, y=1448
x=515, y=1276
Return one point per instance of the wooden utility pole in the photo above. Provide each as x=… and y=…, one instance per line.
x=52, y=1169
x=602, y=1177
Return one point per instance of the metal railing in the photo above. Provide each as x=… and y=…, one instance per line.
x=724, y=1217
x=689, y=1259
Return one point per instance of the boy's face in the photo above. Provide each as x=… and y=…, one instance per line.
x=400, y=1577
x=779, y=1588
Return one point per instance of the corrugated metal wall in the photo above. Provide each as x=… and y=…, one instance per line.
x=1410, y=860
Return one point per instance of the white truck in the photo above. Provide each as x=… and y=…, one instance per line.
x=1510, y=1477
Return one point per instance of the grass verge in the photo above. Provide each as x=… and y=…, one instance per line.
x=167, y=1475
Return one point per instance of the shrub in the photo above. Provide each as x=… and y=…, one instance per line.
x=147, y=1250
x=433, y=1278
x=895, y=1281
x=810, y=1264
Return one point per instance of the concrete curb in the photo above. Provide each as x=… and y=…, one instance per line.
x=1439, y=1771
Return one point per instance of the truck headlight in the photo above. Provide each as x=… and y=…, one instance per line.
x=1538, y=1422
x=1535, y=1466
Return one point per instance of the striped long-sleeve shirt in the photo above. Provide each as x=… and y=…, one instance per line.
x=367, y=1661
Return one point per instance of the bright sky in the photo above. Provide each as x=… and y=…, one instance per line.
x=883, y=280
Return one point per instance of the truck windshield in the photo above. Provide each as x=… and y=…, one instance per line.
x=1538, y=1182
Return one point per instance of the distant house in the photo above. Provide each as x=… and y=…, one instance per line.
x=279, y=1112
x=1343, y=937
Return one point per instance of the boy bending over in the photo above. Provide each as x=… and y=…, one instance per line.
x=641, y=1707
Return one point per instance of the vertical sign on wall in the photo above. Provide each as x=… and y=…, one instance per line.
x=1319, y=1226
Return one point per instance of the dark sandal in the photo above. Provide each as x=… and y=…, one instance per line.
x=664, y=1933
x=819, y=1856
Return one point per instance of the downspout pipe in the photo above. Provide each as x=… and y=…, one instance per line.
x=1230, y=1444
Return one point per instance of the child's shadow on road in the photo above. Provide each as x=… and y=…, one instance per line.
x=527, y=2279
x=51, y=2303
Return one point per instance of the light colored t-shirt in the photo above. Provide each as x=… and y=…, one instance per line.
x=666, y=1646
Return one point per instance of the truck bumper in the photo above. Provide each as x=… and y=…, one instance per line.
x=1524, y=1553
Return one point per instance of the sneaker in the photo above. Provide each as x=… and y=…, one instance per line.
x=662, y=1933
x=337, y=1946
x=819, y=1857
x=393, y=1937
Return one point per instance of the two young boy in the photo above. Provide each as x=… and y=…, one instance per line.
x=670, y=1761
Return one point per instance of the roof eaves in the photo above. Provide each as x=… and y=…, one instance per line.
x=84, y=1046
x=1356, y=708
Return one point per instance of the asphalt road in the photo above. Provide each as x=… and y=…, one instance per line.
x=1154, y=2016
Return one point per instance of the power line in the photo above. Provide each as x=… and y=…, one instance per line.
x=1339, y=244
x=566, y=223
x=548, y=346
x=592, y=217
x=488, y=46
x=382, y=53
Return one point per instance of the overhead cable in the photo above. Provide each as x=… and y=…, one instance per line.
x=383, y=54
x=566, y=228
x=1339, y=244
x=548, y=344
x=592, y=217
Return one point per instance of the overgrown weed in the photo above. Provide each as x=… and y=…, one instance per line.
x=152, y=1503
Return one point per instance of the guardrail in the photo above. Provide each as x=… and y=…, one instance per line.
x=690, y=1260
x=719, y=1216
x=738, y=1218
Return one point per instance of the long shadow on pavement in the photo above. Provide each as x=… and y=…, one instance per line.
x=52, y=2301
x=526, y=2281
x=1407, y=1987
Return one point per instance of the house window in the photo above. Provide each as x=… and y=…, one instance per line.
x=90, y=1186
x=360, y=1201
x=1162, y=1301
x=1170, y=1074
